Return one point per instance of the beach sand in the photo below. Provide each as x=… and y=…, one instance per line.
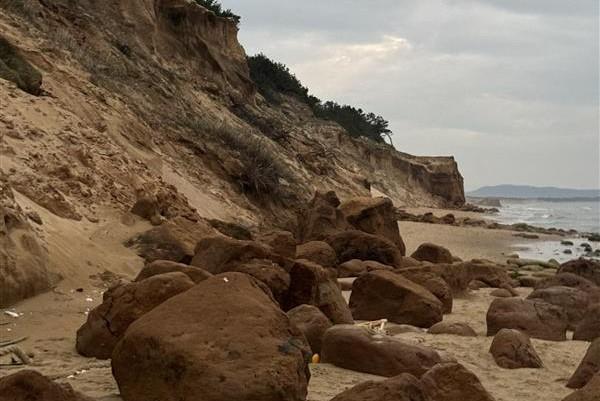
x=51, y=320
x=466, y=242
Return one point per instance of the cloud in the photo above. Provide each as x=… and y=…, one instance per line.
x=509, y=87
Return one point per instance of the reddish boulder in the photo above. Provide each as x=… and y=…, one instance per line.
x=501, y=293
x=535, y=318
x=354, y=244
x=356, y=267
x=321, y=218
x=403, y=387
x=435, y=284
x=588, y=328
x=121, y=306
x=512, y=349
x=529, y=281
x=282, y=242
x=586, y=268
x=590, y=392
x=589, y=366
x=29, y=385
x=356, y=348
x=173, y=240
x=387, y=295
x=457, y=329
x=374, y=216
x=453, y=382
x=459, y=275
x=432, y=253
x=311, y=284
x=318, y=252
x=224, y=339
x=567, y=280
x=218, y=254
x=491, y=273
x=196, y=274
x=573, y=301
x=312, y=323
x=270, y=273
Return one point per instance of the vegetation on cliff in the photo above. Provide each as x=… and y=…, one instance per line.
x=273, y=79
x=217, y=8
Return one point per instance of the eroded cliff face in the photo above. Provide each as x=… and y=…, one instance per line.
x=154, y=97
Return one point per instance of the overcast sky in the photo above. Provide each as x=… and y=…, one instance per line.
x=509, y=87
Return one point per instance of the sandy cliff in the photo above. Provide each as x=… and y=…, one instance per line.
x=153, y=98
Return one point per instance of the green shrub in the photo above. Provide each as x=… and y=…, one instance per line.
x=217, y=8
x=273, y=79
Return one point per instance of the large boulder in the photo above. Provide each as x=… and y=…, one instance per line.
x=318, y=252
x=590, y=392
x=321, y=218
x=573, y=301
x=312, y=323
x=29, y=385
x=122, y=305
x=459, y=275
x=374, y=216
x=512, y=349
x=282, y=242
x=354, y=244
x=493, y=274
x=432, y=253
x=586, y=268
x=457, y=329
x=589, y=366
x=567, y=280
x=386, y=295
x=356, y=267
x=453, y=382
x=359, y=349
x=196, y=274
x=174, y=240
x=270, y=273
x=535, y=318
x=588, y=328
x=219, y=254
x=435, y=284
x=225, y=339
x=403, y=387
x=312, y=284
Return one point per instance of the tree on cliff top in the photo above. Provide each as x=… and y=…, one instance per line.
x=273, y=79
x=217, y=8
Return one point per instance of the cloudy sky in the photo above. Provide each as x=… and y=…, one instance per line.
x=509, y=87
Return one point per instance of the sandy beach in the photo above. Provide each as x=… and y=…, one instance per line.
x=51, y=320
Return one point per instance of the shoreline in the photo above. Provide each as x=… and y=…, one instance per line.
x=496, y=244
x=50, y=320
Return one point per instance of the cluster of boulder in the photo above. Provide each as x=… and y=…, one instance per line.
x=567, y=301
x=245, y=317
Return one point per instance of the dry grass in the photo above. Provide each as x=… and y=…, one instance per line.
x=260, y=171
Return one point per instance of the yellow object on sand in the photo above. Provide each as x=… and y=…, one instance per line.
x=316, y=358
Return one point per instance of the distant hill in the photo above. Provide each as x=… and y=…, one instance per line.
x=530, y=192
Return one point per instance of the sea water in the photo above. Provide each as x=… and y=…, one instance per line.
x=583, y=216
